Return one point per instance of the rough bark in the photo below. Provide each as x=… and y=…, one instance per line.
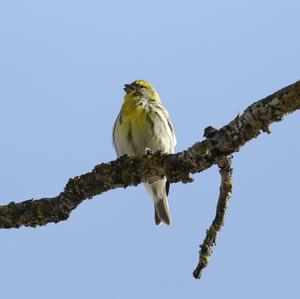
x=130, y=171
x=215, y=228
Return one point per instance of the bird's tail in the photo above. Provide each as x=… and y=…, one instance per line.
x=159, y=191
x=162, y=211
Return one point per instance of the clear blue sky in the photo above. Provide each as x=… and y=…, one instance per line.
x=62, y=68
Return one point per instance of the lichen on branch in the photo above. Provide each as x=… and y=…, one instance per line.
x=215, y=228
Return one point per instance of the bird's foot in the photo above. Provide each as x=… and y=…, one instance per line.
x=148, y=151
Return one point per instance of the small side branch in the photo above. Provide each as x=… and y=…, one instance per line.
x=212, y=233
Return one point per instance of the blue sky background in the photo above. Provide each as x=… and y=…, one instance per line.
x=62, y=68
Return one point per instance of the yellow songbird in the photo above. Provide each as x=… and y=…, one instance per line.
x=143, y=123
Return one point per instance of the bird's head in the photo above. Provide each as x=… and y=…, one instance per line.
x=140, y=88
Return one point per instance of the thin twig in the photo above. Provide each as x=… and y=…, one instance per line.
x=206, y=248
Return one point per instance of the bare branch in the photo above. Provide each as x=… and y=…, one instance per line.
x=212, y=233
x=130, y=171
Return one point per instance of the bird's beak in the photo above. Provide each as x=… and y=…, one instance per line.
x=128, y=88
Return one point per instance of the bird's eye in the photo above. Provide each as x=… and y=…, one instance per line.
x=142, y=85
x=139, y=85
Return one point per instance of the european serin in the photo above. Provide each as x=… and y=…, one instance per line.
x=143, y=123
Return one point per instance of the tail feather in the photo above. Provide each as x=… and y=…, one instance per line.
x=159, y=191
x=156, y=217
x=162, y=213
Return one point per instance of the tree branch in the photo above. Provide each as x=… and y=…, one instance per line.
x=211, y=234
x=131, y=171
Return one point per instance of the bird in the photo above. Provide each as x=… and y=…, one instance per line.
x=142, y=125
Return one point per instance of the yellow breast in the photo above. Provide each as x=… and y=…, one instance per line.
x=134, y=116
